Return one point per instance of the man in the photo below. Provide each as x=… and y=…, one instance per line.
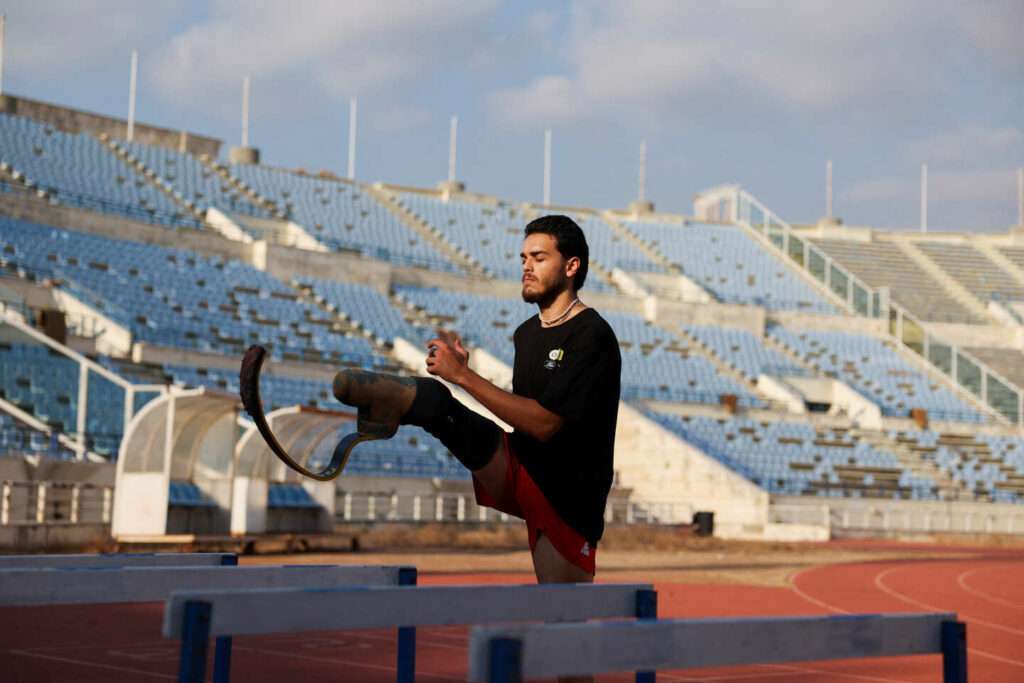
x=555, y=469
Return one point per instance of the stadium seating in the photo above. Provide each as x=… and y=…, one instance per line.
x=493, y=235
x=975, y=271
x=77, y=170
x=790, y=458
x=745, y=352
x=1007, y=362
x=342, y=216
x=191, y=180
x=45, y=385
x=730, y=265
x=178, y=298
x=369, y=308
x=986, y=465
x=876, y=371
x=883, y=264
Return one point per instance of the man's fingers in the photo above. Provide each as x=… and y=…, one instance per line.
x=449, y=337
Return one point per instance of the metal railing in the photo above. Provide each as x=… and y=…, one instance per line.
x=1003, y=398
x=367, y=506
x=923, y=517
x=54, y=503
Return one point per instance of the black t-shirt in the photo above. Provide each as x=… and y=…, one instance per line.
x=573, y=370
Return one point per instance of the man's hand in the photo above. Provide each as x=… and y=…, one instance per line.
x=448, y=358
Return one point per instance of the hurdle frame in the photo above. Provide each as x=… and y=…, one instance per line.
x=501, y=654
x=192, y=615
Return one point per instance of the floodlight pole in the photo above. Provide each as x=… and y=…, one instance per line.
x=924, y=197
x=451, y=149
x=828, y=189
x=1020, y=196
x=352, y=139
x=245, y=111
x=131, y=96
x=547, y=167
x=3, y=25
x=643, y=169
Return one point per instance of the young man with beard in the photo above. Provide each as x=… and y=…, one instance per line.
x=554, y=469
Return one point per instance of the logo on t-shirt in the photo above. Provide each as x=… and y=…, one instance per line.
x=585, y=550
x=554, y=356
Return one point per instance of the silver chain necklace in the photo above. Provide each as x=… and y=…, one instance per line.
x=561, y=317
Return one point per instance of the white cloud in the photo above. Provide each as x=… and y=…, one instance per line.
x=944, y=188
x=301, y=53
x=970, y=144
x=671, y=62
x=57, y=39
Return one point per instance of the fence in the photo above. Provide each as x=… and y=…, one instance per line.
x=54, y=503
x=960, y=368
x=366, y=506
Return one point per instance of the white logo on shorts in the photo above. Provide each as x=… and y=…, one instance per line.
x=585, y=550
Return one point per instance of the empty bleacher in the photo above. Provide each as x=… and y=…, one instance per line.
x=745, y=352
x=974, y=270
x=789, y=458
x=364, y=305
x=342, y=216
x=883, y=264
x=876, y=371
x=191, y=180
x=1007, y=362
x=985, y=466
x=730, y=265
x=78, y=171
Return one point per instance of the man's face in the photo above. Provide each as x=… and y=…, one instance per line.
x=544, y=269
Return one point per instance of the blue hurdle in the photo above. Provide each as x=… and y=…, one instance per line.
x=110, y=585
x=119, y=560
x=195, y=616
x=502, y=654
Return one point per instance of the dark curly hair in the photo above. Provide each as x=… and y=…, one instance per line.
x=569, y=239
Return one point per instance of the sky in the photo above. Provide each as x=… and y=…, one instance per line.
x=759, y=94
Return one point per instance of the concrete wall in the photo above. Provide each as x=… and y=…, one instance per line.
x=660, y=467
x=670, y=314
x=75, y=120
x=980, y=335
x=876, y=327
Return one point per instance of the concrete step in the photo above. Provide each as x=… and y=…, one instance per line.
x=954, y=289
x=149, y=174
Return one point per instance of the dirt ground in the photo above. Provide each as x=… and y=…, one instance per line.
x=629, y=553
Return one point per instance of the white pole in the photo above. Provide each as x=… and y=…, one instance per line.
x=352, y=139
x=245, y=111
x=131, y=96
x=924, y=197
x=828, y=189
x=451, y=149
x=643, y=168
x=547, y=167
x=3, y=25
x=1020, y=196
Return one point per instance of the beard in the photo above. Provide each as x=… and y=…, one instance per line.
x=540, y=294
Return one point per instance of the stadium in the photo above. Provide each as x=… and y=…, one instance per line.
x=816, y=420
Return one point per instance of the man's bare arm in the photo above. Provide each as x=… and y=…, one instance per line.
x=449, y=360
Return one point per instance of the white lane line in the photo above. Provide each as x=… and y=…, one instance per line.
x=98, y=665
x=811, y=599
x=970, y=620
x=962, y=582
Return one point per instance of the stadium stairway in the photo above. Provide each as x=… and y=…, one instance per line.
x=1000, y=260
x=722, y=366
x=255, y=197
x=341, y=322
x=947, y=488
x=428, y=232
x=954, y=289
x=151, y=175
x=639, y=243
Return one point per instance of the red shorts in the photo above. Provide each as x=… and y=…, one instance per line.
x=521, y=497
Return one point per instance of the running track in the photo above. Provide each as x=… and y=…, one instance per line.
x=123, y=642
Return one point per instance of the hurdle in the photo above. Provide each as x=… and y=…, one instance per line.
x=195, y=616
x=119, y=560
x=501, y=654
x=112, y=585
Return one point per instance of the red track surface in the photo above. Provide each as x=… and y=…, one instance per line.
x=123, y=642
